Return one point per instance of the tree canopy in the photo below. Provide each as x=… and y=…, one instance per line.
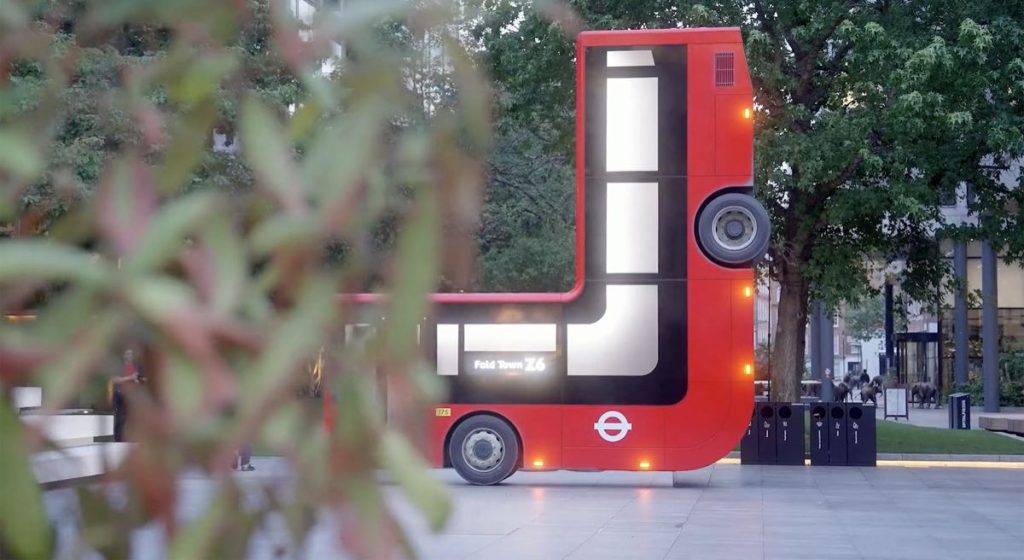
x=868, y=114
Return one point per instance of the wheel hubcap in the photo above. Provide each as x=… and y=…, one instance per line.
x=734, y=228
x=483, y=450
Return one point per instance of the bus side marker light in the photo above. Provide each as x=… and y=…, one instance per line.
x=538, y=463
x=644, y=465
x=748, y=369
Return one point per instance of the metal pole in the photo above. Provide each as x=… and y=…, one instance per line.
x=826, y=331
x=939, y=343
x=770, y=349
x=989, y=328
x=960, y=314
x=889, y=337
x=812, y=316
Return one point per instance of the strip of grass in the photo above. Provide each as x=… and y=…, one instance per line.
x=894, y=437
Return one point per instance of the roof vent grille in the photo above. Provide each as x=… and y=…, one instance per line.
x=725, y=75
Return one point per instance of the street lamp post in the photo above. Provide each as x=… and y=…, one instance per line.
x=989, y=328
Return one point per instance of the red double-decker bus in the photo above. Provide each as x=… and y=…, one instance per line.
x=646, y=364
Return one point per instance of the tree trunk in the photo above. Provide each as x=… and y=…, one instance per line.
x=788, y=351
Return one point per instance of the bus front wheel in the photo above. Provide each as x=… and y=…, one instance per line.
x=484, y=450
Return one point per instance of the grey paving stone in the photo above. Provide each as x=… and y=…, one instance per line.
x=722, y=550
x=742, y=512
x=615, y=545
x=810, y=551
x=445, y=547
x=533, y=541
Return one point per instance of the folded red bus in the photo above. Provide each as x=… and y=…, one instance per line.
x=646, y=364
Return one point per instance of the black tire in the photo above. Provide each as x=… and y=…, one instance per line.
x=733, y=229
x=484, y=450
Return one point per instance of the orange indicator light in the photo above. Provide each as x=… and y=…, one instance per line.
x=538, y=463
x=747, y=113
x=645, y=465
x=748, y=369
x=748, y=291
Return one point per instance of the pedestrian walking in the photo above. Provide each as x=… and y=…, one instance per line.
x=243, y=458
x=130, y=375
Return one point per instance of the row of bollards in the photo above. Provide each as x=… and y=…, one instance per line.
x=839, y=434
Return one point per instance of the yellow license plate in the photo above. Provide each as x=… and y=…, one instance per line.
x=442, y=412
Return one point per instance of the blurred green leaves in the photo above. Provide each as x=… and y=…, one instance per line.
x=266, y=148
x=171, y=178
x=38, y=260
x=18, y=157
x=410, y=471
x=24, y=527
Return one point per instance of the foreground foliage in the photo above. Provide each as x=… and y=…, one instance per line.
x=215, y=265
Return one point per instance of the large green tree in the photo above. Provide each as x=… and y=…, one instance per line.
x=527, y=224
x=92, y=125
x=975, y=76
x=868, y=113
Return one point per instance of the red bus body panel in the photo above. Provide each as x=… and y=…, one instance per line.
x=708, y=422
x=712, y=416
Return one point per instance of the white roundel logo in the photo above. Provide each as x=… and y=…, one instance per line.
x=612, y=426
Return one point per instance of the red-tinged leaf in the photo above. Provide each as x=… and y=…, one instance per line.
x=289, y=43
x=237, y=333
x=190, y=328
x=19, y=361
x=163, y=239
x=151, y=124
x=201, y=270
x=125, y=203
x=170, y=305
x=154, y=482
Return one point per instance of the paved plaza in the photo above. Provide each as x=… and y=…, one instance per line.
x=724, y=511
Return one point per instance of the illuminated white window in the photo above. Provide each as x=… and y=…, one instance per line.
x=632, y=124
x=447, y=349
x=632, y=228
x=624, y=341
x=617, y=59
x=509, y=338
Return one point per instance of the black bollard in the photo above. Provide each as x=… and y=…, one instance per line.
x=819, y=435
x=766, y=434
x=837, y=434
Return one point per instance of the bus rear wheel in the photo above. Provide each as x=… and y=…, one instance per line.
x=733, y=229
x=484, y=450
